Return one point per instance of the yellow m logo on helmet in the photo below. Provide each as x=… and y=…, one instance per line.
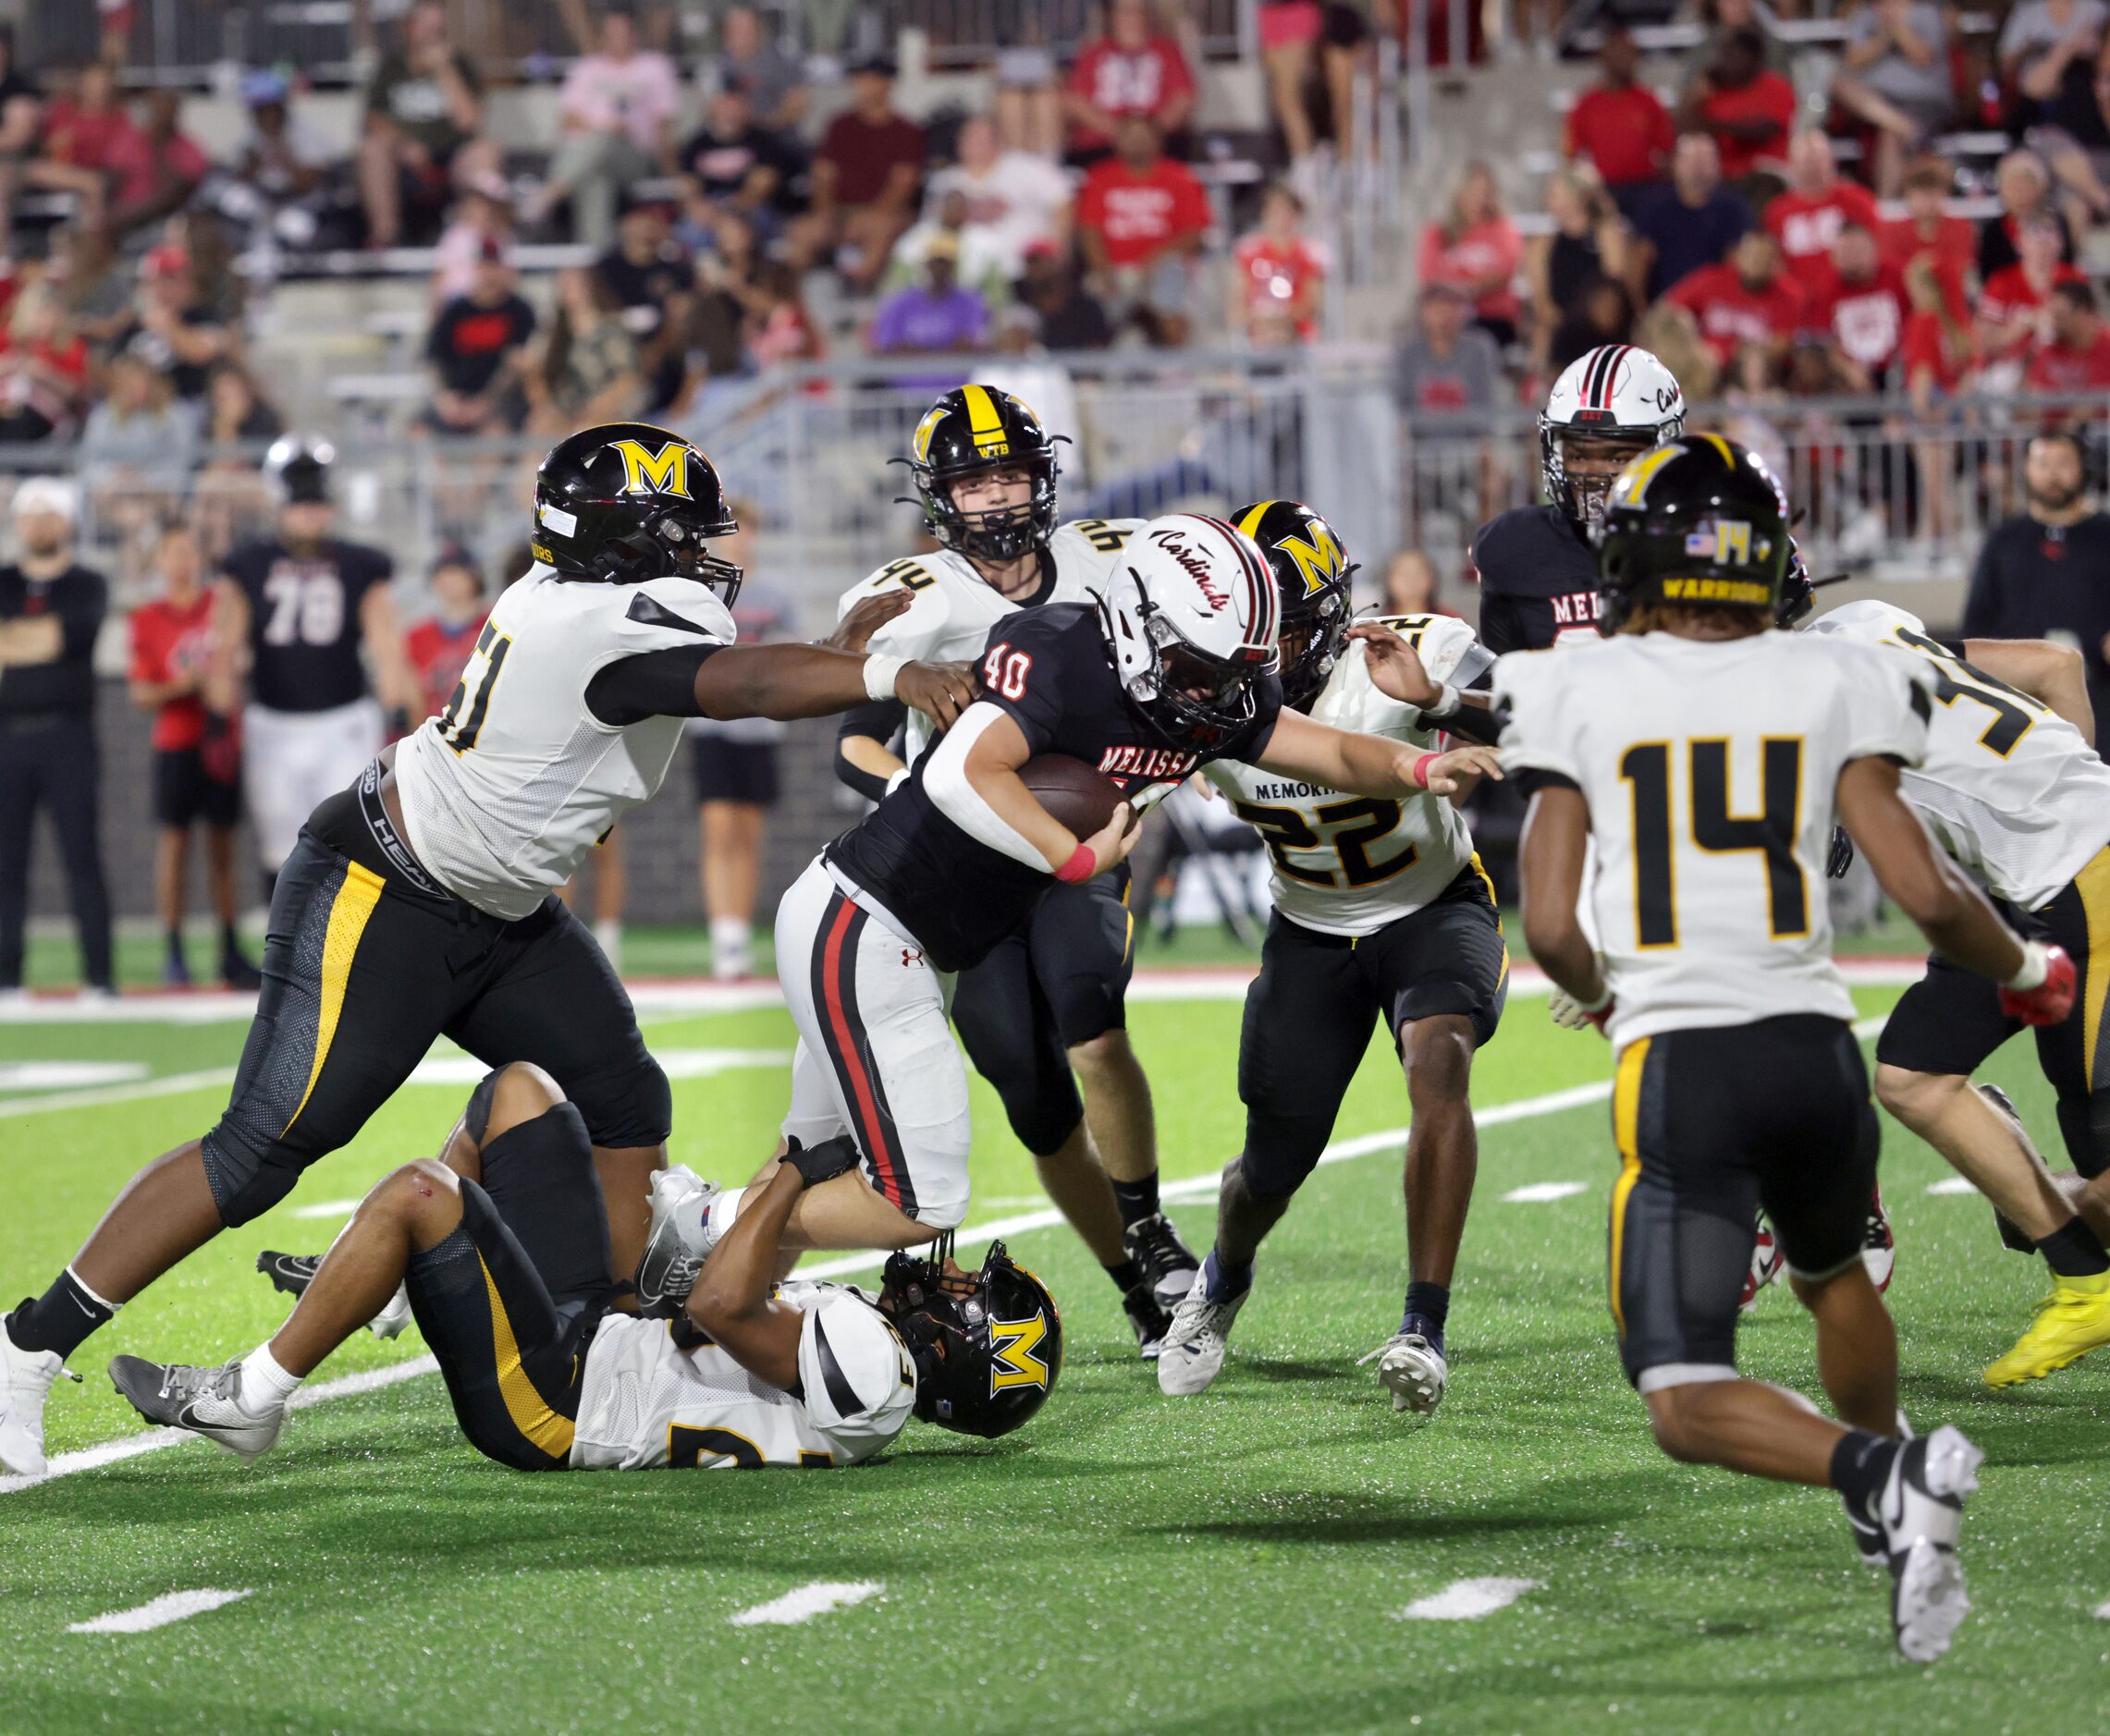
x=1320, y=561
x=1016, y=1365
x=664, y=472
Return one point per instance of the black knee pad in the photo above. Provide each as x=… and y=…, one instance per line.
x=248, y=1177
x=1280, y=1151
x=625, y=1103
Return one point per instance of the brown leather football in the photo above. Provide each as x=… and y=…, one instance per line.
x=1080, y=796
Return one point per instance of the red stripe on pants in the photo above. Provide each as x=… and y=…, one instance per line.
x=864, y=1097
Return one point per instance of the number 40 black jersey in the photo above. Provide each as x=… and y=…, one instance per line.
x=1049, y=669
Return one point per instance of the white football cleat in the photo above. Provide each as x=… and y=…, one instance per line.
x=1766, y=1262
x=27, y=1378
x=1411, y=1370
x=205, y=1400
x=675, y=1246
x=1195, y=1342
x=1879, y=1247
x=389, y=1323
x=1920, y=1513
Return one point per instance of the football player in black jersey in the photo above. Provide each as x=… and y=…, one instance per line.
x=1172, y=669
x=1537, y=569
x=297, y=610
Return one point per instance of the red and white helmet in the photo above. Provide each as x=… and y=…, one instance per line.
x=1191, y=617
x=1615, y=395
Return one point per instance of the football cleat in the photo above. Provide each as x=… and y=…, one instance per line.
x=1879, y=1247
x=294, y=1272
x=1411, y=1367
x=1920, y=1513
x=1155, y=1245
x=205, y=1400
x=674, y=1247
x=1195, y=1341
x=1868, y=1535
x=2071, y=1321
x=1766, y=1262
x=26, y=1379
x=1147, y=1318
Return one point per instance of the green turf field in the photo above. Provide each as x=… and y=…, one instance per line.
x=1235, y=1562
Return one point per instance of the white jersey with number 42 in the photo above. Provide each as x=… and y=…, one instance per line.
x=2010, y=788
x=1709, y=767
x=647, y=1403
x=508, y=788
x=955, y=607
x=1348, y=865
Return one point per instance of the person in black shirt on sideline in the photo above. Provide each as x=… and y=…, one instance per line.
x=50, y=609
x=2046, y=573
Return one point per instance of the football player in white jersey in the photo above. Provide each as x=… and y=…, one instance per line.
x=2012, y=789
x=1705, y=756
x=1382, y=910
x=1047, y=1008
x=502, y=1243
x=421, y=901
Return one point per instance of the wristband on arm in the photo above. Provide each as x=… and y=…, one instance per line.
x=882, y=668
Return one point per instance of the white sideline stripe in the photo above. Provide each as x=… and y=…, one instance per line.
x=59, y=1075
x=1467, y=1599
x=1192, y=1188
x=808, y=1601
x=325, y=1208
x=169, y=1606
x=1542, y=1193
x=168, y=1085
x=1951, y=1184
x=700, y=994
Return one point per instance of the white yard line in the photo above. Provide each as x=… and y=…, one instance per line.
x=68, y=1075
x=808, y=1601
x=1543, y=1192
x=1467, y=1599
x=169, y=1606
x=1951, y=1184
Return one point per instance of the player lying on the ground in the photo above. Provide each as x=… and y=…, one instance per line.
x=1173, y=669
x=422, y=902
x=1704, y=756
x=1046, y=1011
x=2012, y=789
x=1382, y=910
x=502, y=1242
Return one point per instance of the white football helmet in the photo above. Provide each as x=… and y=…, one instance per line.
x=1191, y=617
x=1615, y=395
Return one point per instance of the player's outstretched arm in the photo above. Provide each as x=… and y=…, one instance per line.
x=1370, y=765
x=791, y=681
x=1549, y=859
x=973, y=778
x=735, y=1300
x=2052, y=675
x=1949, y=910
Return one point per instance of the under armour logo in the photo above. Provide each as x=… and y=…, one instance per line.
x=910, y=957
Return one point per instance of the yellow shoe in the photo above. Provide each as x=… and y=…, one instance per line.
x=2073, y=1320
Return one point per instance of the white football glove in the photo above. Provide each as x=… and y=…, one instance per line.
x=1570, y=1014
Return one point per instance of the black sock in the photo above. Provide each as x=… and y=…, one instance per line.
x=1138, y=1199
x=229, y=945
x=1126, y=1276
x=1861, y=1466
x=59, y=1319
x=2074, y=1250
x=1431, y=1302
x=175, y=943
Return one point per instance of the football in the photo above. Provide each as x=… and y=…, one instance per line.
x=1082, y=798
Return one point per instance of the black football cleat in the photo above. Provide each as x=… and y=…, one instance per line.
x=1167, y=1262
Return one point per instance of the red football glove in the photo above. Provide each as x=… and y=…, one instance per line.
x=2051, y=1000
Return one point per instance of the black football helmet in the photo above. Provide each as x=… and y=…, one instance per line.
x=1312, y=573
x=1698, y=524
x=987, y=1345
x=625, y=502
x=301, y=467
x=977, y=428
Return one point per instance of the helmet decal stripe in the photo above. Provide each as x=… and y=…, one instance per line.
x=985, y=422
x=1720, y=445
x=1593, y=387
x=1261, y=594
x=1250, y=523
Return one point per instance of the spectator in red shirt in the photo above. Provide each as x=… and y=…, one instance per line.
x=197, y=763
x=1938, y=352
x=1279, y=274
x=1747, y=109
x=1745, y=299
x=2012, y=307
x=156, y=167
x=439, y=646
x=1926, y=231
x=1140, y=221
x=1859, y=305
x=2075, y=358
x=44, y=368
x=1619, y=127
x=1817, y=204
x=81, y=134
x=864, y=181
x=1476, y=249
x=1133, y=70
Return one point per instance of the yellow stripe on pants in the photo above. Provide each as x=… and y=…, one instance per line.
x=349, y=914
x=1626, y=1135
x=2093, y=885
x=527, y=1407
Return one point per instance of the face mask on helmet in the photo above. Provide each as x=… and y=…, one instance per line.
x=1581, y=492
x=1193, y=700
x=1000, y=534
x=1311, y=646
x=987, y=1345
x=678, y=538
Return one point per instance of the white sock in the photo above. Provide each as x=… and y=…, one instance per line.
x=733, y=945
x=723, y=1209
x=266, y=1386
x=610, y=934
